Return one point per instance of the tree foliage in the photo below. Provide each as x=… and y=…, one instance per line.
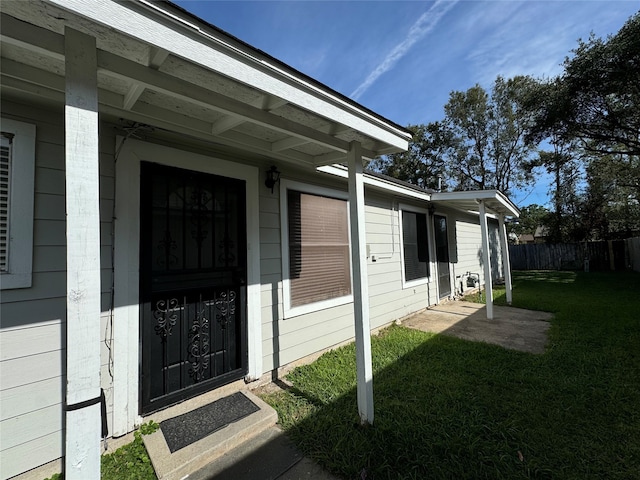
x=491, y=148
x=611, y=204
x=587, y=120
x=531, y=217
x=481, y=143
x=424, y=163
x=597, y=99
x=563, y=163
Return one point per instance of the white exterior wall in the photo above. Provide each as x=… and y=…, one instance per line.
x=32, y=320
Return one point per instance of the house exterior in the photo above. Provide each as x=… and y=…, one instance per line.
x=144, y=261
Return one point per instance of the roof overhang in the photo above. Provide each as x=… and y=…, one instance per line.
x=161, y=66
x=495, y=202
x=379, y=182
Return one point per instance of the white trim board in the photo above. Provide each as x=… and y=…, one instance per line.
x=127, y=240
x=380, y=183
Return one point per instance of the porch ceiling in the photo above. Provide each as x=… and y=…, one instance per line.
x=495, y=201
x=142, y=80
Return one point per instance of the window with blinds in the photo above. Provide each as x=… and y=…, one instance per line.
x=415, y=245
x=17, y=181
x=319, y=265
x=5, y=185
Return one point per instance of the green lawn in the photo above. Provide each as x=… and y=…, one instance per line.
x=448, y=408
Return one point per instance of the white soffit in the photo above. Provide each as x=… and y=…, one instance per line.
x=495, y=201
x=176, y=36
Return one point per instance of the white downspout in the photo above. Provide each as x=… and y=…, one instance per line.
x=364, y=368
x=83, y=409
x=486, y=259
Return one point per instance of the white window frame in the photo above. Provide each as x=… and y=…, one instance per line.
x=285, y=186
x=420, y=281
x=21, y=201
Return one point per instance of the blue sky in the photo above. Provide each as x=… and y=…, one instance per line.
x=403, y=58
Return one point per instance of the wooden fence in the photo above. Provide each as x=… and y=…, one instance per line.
x=607, y=255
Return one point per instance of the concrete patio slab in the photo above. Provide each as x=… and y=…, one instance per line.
x=514, y=328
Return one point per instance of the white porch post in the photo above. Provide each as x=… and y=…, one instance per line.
x=506, y=261
x=83, y=425
x=364, y=367
x=486, y=259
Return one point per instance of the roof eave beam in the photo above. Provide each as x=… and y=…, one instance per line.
x=49, y=43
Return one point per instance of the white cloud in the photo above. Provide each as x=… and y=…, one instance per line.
x=425, y=24
x=532, y=38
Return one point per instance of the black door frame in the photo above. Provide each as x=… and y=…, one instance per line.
x=224, y=305
x=442, y=254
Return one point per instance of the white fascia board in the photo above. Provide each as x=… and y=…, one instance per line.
x=508, y=204
x=380, y=183
x=234, y=63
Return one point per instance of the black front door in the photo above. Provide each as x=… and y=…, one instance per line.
x=442, y=255
x=193, y=283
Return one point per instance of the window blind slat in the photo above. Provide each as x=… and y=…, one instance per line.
x=5, y=172
x=319, y=267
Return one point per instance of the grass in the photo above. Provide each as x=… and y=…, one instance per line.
x=449, y=408
x=129, y=462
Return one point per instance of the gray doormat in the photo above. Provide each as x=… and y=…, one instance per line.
x=195, y=425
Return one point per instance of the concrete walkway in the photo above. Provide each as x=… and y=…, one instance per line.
x=514, y=328
x=268, y=456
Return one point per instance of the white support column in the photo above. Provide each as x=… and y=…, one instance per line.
x=83, y=421
x=506, y=261
x=486, y=259
x=364, y=367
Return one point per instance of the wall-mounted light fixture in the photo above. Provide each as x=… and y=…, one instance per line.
x=273, y=177
x=431, y=209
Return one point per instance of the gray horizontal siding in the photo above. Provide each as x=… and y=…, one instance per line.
x=304, y=335
x=469, y=248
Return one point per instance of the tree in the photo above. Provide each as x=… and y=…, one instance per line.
x=612, y=198
x=597, y=99
x=592, y=113
x=424, y=163
x=563, y=163
x=531, y=217
x=481, y=143
x=490, y=147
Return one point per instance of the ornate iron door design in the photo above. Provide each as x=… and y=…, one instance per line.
x=193, y=283
x=442, y=255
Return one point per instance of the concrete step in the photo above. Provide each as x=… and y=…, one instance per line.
x=188, y=460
